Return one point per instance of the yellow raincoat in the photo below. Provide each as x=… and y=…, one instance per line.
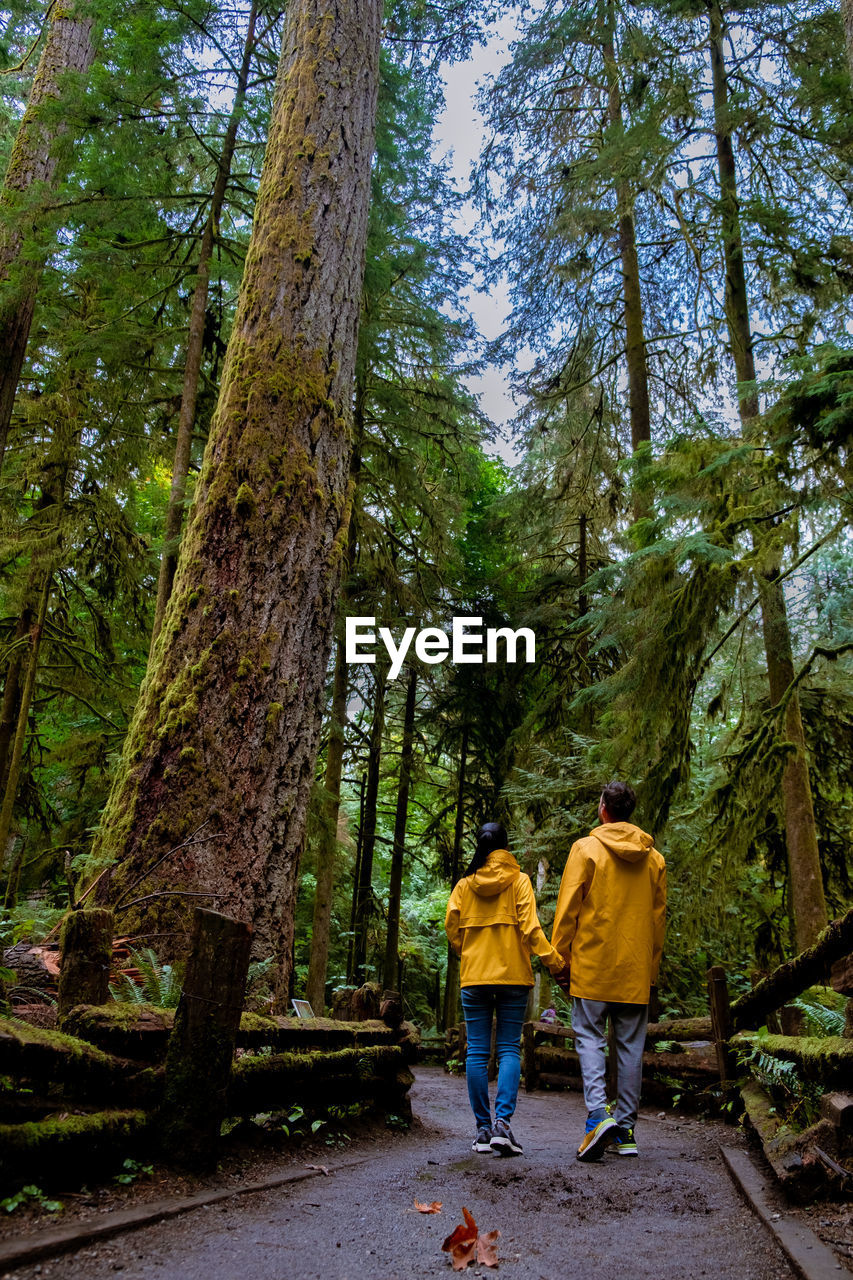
x=492, y=925
x=610, y=917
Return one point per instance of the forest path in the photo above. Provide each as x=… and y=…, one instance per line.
x=672, y=1213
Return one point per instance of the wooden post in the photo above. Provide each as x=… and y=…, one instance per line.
x=201, y=1046
x=528, y=1057
x=721, y=1019
x=86, y=951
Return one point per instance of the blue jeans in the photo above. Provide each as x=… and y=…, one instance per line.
x=478, y=1005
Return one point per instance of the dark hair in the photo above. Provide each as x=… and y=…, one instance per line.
x=490, y=836
x=619, y=800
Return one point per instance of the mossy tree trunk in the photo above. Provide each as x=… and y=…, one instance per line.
x=34, y=169
x=398, y=854
x=450, y=1010
x=227, y=725
x=635, y=338
x=808, y=904
x=364, y=883
x=195, y=339
x=327, y=847
x=847, y=19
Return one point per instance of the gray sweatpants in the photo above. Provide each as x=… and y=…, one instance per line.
x=589, y=1018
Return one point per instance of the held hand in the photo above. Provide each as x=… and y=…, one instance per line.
x=563, y=978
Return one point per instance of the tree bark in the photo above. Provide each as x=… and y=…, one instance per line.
x=395, y=888
x=195, y=341
x=17, y=756
x=35, y=161
x=635, y=339
x=227, y=725
x=847, y=19
x=327, y=847
x=450, y=1013
x=87, y=951
x=364, y=896
x=808, y=904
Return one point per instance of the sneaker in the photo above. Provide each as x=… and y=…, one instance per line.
x=624, y=1143
x=503, y=1141
x=483, y=1140
x=594, y=1142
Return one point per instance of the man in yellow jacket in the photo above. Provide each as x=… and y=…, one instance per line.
x=609, y=928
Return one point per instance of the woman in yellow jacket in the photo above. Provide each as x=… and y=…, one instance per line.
x=492, y=926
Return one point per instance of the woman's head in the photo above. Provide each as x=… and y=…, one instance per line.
x=491, y=836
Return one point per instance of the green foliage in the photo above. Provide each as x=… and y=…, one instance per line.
x=30, y=1197
x=158, y=983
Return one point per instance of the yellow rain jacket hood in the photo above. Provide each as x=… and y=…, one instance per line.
x=610, y=917
x=492, y=925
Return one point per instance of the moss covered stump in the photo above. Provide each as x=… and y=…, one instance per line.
x=86, y=950
x=201, y=1046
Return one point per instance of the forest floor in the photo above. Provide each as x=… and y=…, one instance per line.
x=674, y=1212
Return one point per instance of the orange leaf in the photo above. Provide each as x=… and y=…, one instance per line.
x=434, y=1207
x=487, y=1249
x=461, y=1244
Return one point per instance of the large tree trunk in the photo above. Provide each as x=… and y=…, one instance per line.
x=34, y=163
x=227, y=725
x=327, y=847
x=450, y=1012
x=364, y=891
x=195, y=341
x=635, y=340
x=395, y=887
x=808, y=905
x=847, y=19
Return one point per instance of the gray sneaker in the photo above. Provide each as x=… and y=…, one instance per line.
x=483, y=1140
x=503, y=1141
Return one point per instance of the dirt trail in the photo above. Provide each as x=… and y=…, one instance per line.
x=672, y=1213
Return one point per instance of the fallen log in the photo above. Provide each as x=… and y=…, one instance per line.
x=69, y=1148
x=791, y=1156
x=376, y=1073
x=826, y=1059
x=141, y=1031
x=680, y=1029
x=794, y=976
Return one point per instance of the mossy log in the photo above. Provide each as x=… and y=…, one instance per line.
x=141, y=1032
x=680, y=1029
x=790, y=979
x=129, y=1030
x=374, y=1072
x=87, y=952
x=789, y=1154
x=828, y=1060
x=69, y=1149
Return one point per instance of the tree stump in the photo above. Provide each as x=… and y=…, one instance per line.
x=201, y=1046
x=86, y=950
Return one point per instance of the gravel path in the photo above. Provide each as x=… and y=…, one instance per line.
x=672, y=1214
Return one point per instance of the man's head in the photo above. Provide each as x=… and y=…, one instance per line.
x=617, y=802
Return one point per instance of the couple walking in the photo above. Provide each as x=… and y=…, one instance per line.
x=605, y=952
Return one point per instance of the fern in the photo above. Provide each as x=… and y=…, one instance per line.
x=820, y=1021
x=159, y=984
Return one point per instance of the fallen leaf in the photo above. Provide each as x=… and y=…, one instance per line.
x=434, y=1207
x=487, y=1249
x=321, y=1168
x=463, y=1244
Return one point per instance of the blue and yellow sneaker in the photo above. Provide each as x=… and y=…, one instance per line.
x=598, y=1134
x=624, y=1143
